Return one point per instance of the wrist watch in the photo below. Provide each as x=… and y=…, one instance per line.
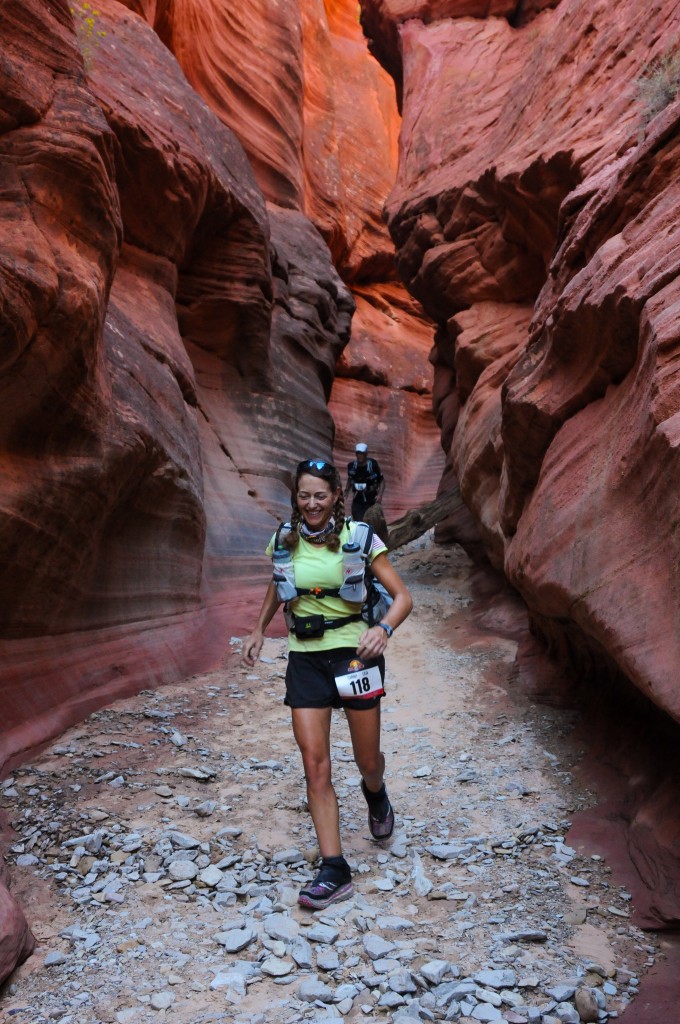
x=388, y=629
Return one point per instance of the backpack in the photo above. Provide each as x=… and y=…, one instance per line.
x=371, y=484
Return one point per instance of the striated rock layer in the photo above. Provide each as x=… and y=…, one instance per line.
x=315, y=115
x=382, y=395
x=163, y=329
x=319, y=123
x=535, y=218
x=184, y=214
x=172, y=332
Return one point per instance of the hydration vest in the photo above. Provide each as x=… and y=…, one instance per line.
x=370, y=484
x=358, y=587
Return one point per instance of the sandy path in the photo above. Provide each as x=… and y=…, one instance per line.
x=475, y=771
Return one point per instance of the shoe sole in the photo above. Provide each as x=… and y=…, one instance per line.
x=343, y=893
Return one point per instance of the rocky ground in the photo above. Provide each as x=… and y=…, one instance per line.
x=158, y=849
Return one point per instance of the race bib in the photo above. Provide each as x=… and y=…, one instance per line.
x=356, y=681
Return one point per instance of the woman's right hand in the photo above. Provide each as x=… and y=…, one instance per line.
x=252, y=645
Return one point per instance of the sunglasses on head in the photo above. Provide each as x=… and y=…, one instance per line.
x=318, y=464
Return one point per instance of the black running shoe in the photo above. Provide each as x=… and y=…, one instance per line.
x=324, y=890
x=381, y=825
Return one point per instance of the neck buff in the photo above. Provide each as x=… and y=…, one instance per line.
x=320, y=536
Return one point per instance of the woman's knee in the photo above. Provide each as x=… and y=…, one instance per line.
x=317, y=769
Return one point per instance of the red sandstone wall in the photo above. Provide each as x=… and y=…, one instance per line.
x=538, y=229
x=172, y=338
x=536, y=218
x=319, y=123
x=164, y=329
x=176, y=252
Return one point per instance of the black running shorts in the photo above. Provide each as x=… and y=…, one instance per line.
x=310, y=681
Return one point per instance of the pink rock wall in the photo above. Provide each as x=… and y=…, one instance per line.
x=382, y=395
x=172, y=338
x=319, y=123
x=150, y=455
x=176, y=252
x=315, y=115
x=535, y=218
x=536, y=227
x=382, y=21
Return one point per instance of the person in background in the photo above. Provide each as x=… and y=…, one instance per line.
x=365, y=480
x=334, y=660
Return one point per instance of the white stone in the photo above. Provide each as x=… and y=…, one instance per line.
x=162, y=1000
x=377, y=947
x=182, y=870
x=301, y=952
x=312, y=989
x=281, y=926
x=236, y=939
x=567, y=1013
x=291, y=856
x=401, y=982
x=496, y=979
x=560, y=993
x=394, y=924
x=276, y=968
x=435, y=971
x=54, y=958
x=182, y=841
x=322, y=933
x=210, y=876
x=486, y=1013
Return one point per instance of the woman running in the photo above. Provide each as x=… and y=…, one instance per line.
x=334, y=659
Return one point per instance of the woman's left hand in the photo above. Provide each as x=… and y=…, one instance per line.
x=372, y=643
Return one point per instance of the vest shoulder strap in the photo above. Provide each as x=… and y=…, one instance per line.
x=361, y=534
x=277, y=536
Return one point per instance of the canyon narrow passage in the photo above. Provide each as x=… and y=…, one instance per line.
x=159, y=846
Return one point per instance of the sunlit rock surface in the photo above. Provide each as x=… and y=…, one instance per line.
x=173, y=315
x=382, y=396
x=537, y=228
x=535, y=217
x=158, y=321
x=382, y=21
x=318, y=120
x=316, y=116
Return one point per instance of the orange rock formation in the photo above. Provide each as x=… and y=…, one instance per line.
x=190, y=193
x=535, y=217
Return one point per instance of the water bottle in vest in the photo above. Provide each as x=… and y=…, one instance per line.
x=284, y=575
x=353, y=587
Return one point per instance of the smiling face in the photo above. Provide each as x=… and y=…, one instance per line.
x=316, y=500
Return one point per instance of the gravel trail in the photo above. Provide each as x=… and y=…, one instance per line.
x=158, y=848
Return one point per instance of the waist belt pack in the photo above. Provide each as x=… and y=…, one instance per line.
x=311, y=627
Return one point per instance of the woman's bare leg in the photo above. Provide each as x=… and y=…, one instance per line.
x=364, y=729
x=312, y=730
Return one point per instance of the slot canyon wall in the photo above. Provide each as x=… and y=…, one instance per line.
x=535, y=216
x=192, y=229
x=184, y=251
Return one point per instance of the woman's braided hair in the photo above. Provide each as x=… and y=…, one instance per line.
x=324, y=471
